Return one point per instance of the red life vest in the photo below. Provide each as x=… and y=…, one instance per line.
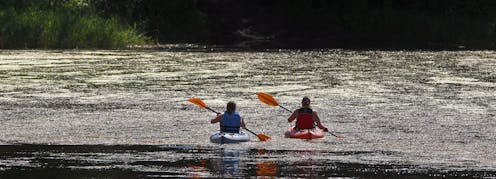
x=304, y=120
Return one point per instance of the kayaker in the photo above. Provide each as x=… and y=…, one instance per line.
x=306, y=118
x=230, y=121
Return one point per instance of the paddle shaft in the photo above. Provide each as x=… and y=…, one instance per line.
x=332, y=134
x=285, y=108
x=212, y=110
x=251, y=131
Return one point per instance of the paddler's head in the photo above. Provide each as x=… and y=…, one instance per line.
x=231, y=107
x=305, y=102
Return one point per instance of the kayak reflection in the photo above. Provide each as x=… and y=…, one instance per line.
x=233, y=163
x=243, y=163
x=229, y=163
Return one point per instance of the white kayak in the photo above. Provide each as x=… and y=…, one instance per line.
x=226, y=137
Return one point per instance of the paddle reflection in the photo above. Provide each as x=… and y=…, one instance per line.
x=304, y=166
x=197, y=171
x=267, y=170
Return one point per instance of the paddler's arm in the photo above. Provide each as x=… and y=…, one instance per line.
x=243, y=125
x=217, y=119
x=316, y=119
x=293, y=116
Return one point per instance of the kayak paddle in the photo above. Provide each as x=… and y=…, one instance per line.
x=269, y=100
x=338, y=136
x=199, y=102
x=261, y=137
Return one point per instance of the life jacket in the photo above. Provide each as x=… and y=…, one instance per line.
x=230, y=123
x=304, y=120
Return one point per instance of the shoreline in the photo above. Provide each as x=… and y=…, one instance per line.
x=192, y=47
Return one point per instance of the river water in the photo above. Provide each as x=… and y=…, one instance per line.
x=124, y=114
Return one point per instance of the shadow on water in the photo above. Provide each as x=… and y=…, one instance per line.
x=165, y=161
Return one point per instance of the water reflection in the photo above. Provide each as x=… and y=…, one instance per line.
x=267, y=169
x=234, y=163
x=243, y=163
x=199, y=170
x=225, y=163
x=228, y=164
x=100, y=161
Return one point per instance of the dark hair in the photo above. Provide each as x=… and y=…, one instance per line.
x=231, y=107
x=305, y=101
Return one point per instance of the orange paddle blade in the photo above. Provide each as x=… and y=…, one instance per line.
x=198, y=102
x=263, y=137
x=340, y=137
x=267, y=99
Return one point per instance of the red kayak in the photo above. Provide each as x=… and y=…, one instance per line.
x=314, y=133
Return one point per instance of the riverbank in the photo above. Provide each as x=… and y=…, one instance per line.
x=244, y=24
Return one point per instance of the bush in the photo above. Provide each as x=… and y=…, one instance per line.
x=70, y=24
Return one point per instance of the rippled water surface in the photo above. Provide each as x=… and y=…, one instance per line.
x=122, y=114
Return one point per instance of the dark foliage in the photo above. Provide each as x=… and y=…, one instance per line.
x=428, y=24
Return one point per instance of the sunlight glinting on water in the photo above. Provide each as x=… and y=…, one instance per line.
x=423, y=108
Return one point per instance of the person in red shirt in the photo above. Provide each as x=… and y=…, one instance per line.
x=306, y=118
